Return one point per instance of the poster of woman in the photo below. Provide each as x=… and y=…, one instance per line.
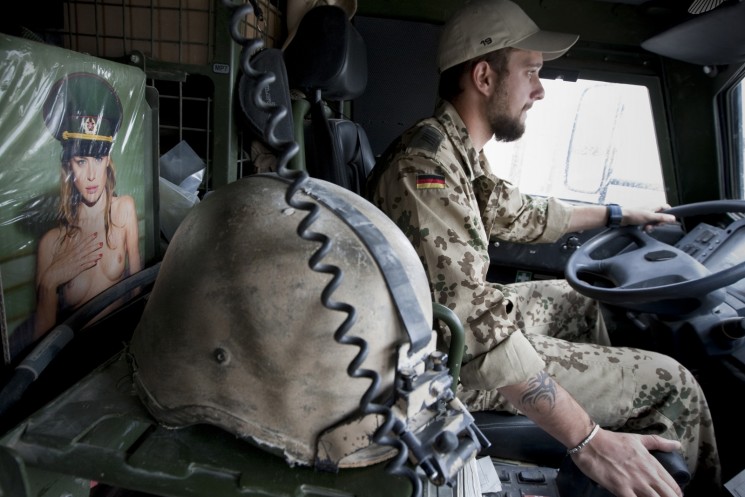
x=96, y=243
x=75, y=184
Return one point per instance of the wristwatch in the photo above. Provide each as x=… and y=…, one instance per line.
x=615, y=216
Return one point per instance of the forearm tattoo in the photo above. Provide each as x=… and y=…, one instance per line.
x=541, y=390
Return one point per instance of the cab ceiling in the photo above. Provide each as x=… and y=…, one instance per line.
x=702, y=32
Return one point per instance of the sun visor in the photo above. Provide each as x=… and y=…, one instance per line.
x=716, y=37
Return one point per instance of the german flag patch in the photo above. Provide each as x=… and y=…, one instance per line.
x=430, y=181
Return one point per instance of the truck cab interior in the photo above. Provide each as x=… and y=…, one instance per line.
x=646, y=110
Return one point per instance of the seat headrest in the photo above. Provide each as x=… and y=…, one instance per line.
x=327, y=54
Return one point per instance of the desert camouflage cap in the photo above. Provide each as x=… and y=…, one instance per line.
x=482, y=26
x=84, y=113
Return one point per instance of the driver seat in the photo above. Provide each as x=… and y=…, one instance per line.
x=327, y=68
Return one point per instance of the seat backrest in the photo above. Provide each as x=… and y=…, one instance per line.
x=327, y=67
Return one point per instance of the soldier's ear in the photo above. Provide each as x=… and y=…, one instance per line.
x=482, y=77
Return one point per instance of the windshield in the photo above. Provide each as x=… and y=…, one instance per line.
x=588, y=141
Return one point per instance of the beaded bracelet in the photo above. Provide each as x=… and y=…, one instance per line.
x=584, y=442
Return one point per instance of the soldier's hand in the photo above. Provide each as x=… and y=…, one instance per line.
x=622, y=464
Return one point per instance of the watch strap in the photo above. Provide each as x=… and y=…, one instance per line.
x=615, y=216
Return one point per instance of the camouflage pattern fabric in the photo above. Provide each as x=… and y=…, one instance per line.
x=441, y=192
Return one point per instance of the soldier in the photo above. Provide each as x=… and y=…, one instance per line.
x=96, y=243
x=536, y=348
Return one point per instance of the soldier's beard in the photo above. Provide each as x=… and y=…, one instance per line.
x=505, y=127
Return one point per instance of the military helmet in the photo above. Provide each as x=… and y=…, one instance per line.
x=244, y=327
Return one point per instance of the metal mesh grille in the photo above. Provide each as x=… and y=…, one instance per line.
x=179, y=31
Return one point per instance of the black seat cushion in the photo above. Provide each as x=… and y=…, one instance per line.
x=351, y=150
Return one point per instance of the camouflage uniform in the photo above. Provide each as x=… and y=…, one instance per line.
x=441, y=192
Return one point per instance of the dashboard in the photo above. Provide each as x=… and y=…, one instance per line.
x=718, y=249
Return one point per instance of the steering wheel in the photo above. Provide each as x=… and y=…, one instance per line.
x=628, y=267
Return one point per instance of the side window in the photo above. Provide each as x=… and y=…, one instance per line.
x=588, y=141
x=738, y=129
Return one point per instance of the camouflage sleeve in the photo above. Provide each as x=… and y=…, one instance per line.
x=432, y=202
x=528, y=219
x=513, y=361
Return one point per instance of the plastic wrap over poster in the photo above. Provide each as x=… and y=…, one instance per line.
x=75, y=184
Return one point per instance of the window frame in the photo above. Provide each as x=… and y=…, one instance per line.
x=730, y=105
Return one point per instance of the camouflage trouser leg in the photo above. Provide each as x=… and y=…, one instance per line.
x=553, y=308
x=622, y=389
